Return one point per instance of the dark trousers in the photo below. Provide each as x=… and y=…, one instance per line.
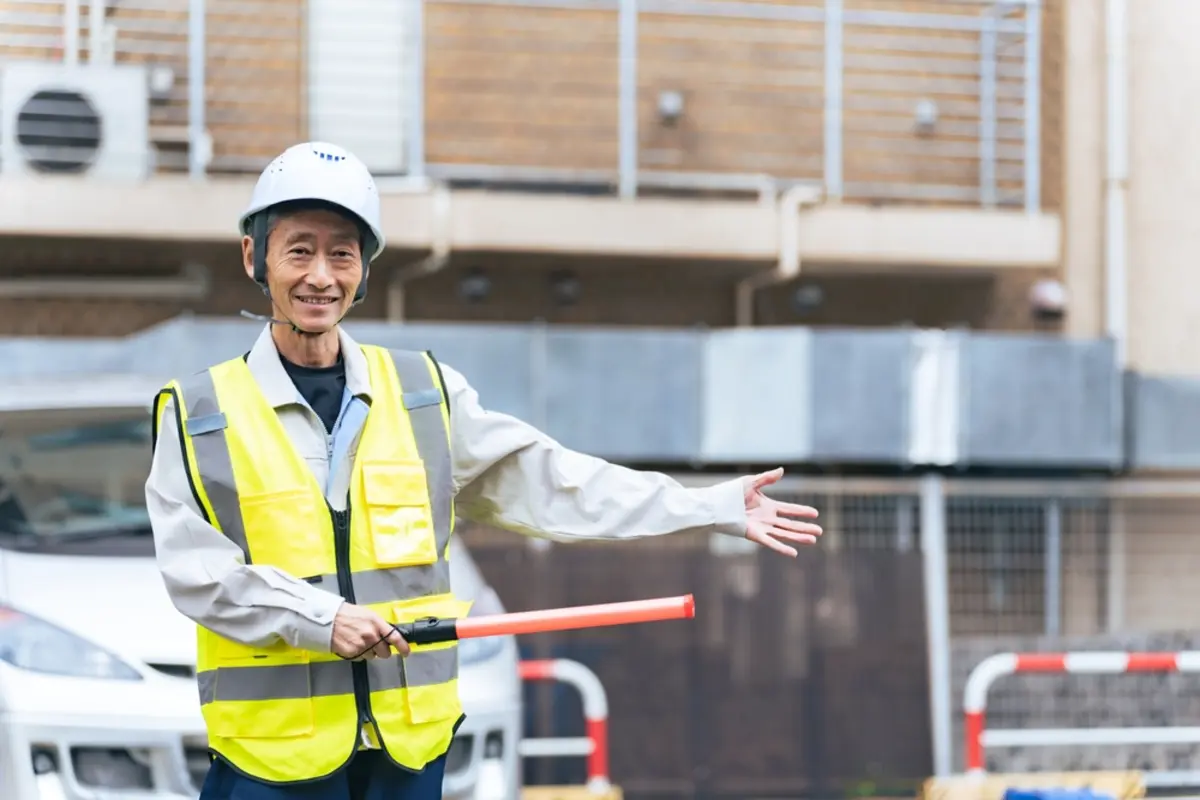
x=370, y=776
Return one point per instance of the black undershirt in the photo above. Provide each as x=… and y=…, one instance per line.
x=321, y=388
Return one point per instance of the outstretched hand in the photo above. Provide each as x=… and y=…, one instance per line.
x=769, y=521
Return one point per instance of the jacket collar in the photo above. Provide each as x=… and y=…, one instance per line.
x=266, y=366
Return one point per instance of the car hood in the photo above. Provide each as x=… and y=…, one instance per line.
x=117, y=603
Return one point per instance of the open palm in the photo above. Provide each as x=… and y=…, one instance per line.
x=771, y=523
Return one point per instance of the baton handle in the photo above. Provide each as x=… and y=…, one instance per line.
x=431, y=630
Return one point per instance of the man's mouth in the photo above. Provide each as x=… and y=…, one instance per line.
x=317, y=301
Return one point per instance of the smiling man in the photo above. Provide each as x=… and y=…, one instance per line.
x=303, y=496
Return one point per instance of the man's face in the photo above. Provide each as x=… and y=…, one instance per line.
x=314, y=266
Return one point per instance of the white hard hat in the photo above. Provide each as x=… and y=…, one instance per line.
x=323, y=172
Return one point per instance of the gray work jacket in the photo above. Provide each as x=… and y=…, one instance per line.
x=505, y=473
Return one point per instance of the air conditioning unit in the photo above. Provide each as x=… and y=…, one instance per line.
x=89, y=119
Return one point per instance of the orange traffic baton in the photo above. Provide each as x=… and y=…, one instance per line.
x=430, y=630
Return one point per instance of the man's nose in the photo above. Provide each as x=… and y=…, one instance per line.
x=320, y=275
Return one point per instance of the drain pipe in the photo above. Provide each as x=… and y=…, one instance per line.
x=434, y=262
x=788, y=266
x=1116, y=256
x=1116, y=177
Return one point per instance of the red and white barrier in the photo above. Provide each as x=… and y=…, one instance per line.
x=595, y=711
x=998, y=666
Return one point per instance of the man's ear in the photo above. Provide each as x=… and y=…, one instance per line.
x=248, y=255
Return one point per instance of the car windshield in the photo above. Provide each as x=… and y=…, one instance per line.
x=74, y=482
x=66, y=478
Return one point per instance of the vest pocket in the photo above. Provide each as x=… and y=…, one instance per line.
x=398, y=513
x=283, y=531
x=431, y=671
x=277, y=719
x=261, y=692
x=278, y=653
x=433, y=703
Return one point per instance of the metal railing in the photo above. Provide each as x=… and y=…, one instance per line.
x=939, y=105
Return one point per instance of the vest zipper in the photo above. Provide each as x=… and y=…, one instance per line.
x=341, y=541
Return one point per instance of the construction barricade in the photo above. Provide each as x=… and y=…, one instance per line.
x=593, y=745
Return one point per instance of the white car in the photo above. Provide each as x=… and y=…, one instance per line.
x=97, y=691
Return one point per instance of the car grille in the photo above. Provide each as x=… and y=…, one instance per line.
x=110, y=768
x=195, y=756
x=458, y=758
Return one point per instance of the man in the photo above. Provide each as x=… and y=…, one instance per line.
x=303, y=496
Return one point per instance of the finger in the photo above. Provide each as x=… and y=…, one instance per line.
x=795, y=526
x=767, y=541
x=369, y=645
x=397, y=641
x=382, y=649
x=791, y=536
x=767, y=478
x=796, y=510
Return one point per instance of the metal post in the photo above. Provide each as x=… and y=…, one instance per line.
x=627, y=123
x=937, y=617
x=539, y=368
x=1033, y=111
x=987, y=107
x=71, y=33
x=1115, y=585
x=1116, y=177
x=905, y=507
x=96, y=14
x=1053, y=567
x=416, y=89
x=197, y=137
x=834, y=68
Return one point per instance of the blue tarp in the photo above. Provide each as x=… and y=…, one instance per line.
x=1055, y=794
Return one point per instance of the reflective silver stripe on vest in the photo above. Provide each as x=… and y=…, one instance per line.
x=325, y=678
x=206, y=426
x=387, y=585
x=423, y=399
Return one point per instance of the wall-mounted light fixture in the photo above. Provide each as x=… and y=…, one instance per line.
x=565, y=287
x=670, y=106
x=926, y=117
x=475, y=286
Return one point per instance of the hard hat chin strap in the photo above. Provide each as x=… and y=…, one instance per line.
x=295, y=328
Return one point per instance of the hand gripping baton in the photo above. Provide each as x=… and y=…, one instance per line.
x=430, y=630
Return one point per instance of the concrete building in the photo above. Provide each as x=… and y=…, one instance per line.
x=919, y=193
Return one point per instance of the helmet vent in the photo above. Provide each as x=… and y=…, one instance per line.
x=328, y=156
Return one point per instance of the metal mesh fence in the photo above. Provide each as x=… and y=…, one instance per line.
x=795, y=678
x=1032, y=566
x=1076, y=566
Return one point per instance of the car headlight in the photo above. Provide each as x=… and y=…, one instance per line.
x=30, y=643
x=473, y=651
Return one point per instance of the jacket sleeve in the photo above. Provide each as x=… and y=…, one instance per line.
x=205, y=572
x=511, y=475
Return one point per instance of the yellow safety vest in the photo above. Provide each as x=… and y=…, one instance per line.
x=282, y=714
